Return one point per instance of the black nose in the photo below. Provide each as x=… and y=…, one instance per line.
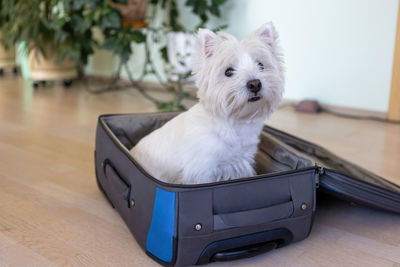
x=254, y=85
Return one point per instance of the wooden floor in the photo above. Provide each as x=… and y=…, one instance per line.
x=52, y=213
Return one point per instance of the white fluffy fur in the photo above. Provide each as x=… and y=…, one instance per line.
x=217, y=138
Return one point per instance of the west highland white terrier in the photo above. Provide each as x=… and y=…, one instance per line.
x=240, y=83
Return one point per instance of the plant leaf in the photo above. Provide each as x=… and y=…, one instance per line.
x=164, y=53
x=138, y=37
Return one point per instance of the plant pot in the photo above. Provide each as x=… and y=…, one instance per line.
x=180, y=48
x=133, y=12
x=7, y=57
x=46, y=68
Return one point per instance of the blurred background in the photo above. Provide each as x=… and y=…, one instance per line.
x=340, y=53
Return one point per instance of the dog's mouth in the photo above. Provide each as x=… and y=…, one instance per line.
x=254, y=98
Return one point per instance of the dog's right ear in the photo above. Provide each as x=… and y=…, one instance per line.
x=207, y=41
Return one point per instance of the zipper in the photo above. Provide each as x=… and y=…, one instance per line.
x=319, y=170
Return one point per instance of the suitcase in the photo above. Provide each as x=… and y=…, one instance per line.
x=181, y=225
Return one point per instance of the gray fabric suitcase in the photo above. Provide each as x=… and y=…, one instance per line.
x=180, y=225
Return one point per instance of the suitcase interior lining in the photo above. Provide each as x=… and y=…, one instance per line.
x=323, y=157
x=276, y=153
x=272, y=156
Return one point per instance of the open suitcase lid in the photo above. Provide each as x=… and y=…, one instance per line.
x=343, y=179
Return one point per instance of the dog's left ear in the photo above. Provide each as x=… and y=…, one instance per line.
x=267, y=33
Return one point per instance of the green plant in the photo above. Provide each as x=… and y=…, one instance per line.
x=201, y=8
x=4, y=16
x=118, y=39
x=65, y=26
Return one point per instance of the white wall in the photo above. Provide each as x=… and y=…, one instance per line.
x=339, y=52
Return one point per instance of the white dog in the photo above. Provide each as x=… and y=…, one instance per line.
x=240, y=83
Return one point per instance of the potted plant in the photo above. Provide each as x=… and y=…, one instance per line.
x=7, y=58
x=133, y=12
x=176, y=52
x=58, y=34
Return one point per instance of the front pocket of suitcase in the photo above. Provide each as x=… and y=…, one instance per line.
x=252, y=203
x=253, y=217
x=120, y=189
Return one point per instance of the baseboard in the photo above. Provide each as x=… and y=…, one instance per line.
x=355, y=111
x=342, y=110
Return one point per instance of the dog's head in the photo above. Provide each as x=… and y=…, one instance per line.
x=239, y=79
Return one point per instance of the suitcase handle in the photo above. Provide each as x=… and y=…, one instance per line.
x=252, y=217
x=246, y=252
x=245, y=246
x=119, y=185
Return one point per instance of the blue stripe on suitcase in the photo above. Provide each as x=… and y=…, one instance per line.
x=162, y=228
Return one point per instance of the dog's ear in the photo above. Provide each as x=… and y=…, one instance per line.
x=207, y=41
x=267, y=33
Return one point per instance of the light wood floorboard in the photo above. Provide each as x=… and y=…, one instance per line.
x=52, y=213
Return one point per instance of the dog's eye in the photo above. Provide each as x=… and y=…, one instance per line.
x=260, y=65
x=229, y=72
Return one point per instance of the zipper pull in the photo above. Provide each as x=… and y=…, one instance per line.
x=318, y=172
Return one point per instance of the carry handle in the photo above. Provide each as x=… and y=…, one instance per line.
x=245, y=246
x=245, y=252
x=118, y=184
x=252, y=217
